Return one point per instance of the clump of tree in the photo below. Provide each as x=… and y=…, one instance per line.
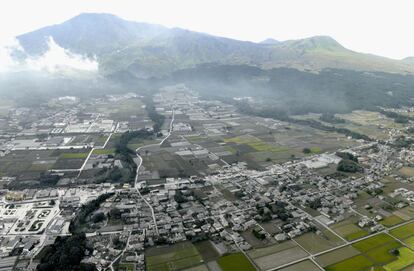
x=398, y=118
x=85, y=211
x=66, y=254
x=315, y=204
x=403, y=142
x=124, y=153
x=330, y=118
x=114, y=175
x=347, y=156
x=279, y=209
x=115, y=214
x=306, y=150
x=179, y=196
x=347, y=165
x=98, y=217
x=395, y=252
x=375, y=191
x=117, y=243
x=259, y=233
x=158, y=119
x=265, y=213
x=270, y=112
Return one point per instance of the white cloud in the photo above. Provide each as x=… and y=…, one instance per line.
x=55, y=59
x=7, y=63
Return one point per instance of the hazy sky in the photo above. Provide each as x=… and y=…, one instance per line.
x=371, y=26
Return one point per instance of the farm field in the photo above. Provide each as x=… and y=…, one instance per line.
x=236, y=261
x=29, y=164
x=403, y=231
x=207, y=250
x=391, y=221
x=372, y=242
x=407, y=171
x=358, y=262
x=405, y=213
x=126, y=267
x=315, y=243
x=349, y=230
x=280, y=258
x=337, y=255
x=70, y=159
x=302, y=266
x=378, y=252
x=364, y=122
x=260, y=252
x=198, y=268
x=405, y=259
x=410, y=241
x=178, y=256
x=257, y=144
x=103, y=151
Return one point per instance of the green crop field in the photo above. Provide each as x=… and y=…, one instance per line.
x=207, y=250
x=359, y=262
x=235, y=261
x=403, y=231
x=356, y=235
x=73, y=155
x=103, y=151
x=349, y=230
x=405, y=259
x=372, y=242
x=255, y=143
x=126, y=267
x=176, y=257
x=382, y=255
x=410, y=242
x=391, y=220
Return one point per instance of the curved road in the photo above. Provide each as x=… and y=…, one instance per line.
x=140, y=164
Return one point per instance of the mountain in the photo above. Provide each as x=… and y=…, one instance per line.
x=147, y=50
x=270, y=41
x=409, y=60
x=316, y=43
x=90, y=33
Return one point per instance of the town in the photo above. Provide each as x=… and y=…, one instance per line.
x=176, y=181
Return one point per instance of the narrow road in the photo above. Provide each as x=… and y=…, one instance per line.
x=120, y=254
x=136, y=186
x=86, y=160
x=90, y=153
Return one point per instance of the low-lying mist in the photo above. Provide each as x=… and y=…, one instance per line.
x=56, y=59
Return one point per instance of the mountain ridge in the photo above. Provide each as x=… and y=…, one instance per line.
x=149, y=50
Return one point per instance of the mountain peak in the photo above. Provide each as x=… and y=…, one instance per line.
x=315, y=43
x=90, y=33
x=269, y=41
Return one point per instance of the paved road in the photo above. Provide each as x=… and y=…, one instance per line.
x=90, y=153
x=136, y=186
x=86, y=160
